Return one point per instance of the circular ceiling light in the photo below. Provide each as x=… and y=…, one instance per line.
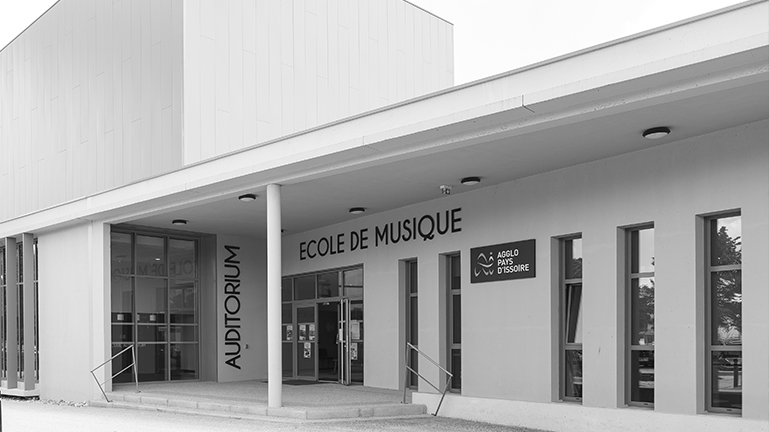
x=357, y=210
x=470, y=181
x=179, y=222
x=656, y=132
x=247, y=197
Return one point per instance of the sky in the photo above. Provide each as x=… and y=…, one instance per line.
x=494, y=36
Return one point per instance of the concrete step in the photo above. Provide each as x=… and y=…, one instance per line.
x=242, y=411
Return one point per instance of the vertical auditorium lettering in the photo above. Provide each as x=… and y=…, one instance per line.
x=232, y=306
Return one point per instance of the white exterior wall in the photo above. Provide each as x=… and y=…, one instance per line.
x=258, y=70
x=509, y=329
x=74, y=310
x=247, y=297
x=90, y=99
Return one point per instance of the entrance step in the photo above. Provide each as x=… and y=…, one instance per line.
x=242, y=411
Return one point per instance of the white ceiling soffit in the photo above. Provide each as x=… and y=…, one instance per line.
x=503, y=146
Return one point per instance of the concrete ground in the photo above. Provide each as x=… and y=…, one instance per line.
x=39, y=416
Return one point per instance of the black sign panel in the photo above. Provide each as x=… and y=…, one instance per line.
x=504, y=261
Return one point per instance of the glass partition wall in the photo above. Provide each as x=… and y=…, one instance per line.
x=155, y=305
x=17, y=339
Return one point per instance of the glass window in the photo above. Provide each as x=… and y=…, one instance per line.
x=2, y=266
x=574, y=313
x=181, y=258
x=724, y=299
x=184, y=361
x=642, y=311
x=299, y=329
x=182, y=302
x=150, y=256
x=412, y=318
x=155, y=305
x=151, y=362
x=726, y=309
x=353, y=277
x=328, y=285
x=640, y=329
x=122, y=299
x=454, y=315
x=726, y=380
x=286, y=289
x=151, y=300
x=573, y=260
x=726, y=241
x=285, y=314
x=353, y=282
x=121, y=253
x=288, y=360
x=304, y=288
x=573, y=375
x=571, y=319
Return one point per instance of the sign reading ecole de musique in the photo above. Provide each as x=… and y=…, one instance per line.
x=504, y=261
x=426, y=227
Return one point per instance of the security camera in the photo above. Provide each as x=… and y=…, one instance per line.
x=446, y=190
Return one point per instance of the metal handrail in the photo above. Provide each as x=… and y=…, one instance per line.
x=133, y=364
x=410, y=347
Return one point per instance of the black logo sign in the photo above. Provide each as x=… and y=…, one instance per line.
x=504, y=261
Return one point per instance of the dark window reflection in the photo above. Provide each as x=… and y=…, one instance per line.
x=726, y=304
x=184, y=361
x=121, y=362
x=304, y=288
x=573, y=384
x=642, y=311
x=726, y=241
x=286, y=289
x=151, y=359
x=328, y=285
x=456, y=369
x=726, y=379
x=574, y=258
x=288, y=360
x=642, y=376
x=574, y=314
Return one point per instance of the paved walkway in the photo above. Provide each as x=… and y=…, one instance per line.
x=42, y=416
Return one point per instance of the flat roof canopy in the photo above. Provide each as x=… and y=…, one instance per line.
x=696, y=77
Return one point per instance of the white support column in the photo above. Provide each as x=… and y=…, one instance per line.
x=29, y=310
x=11, y=317
x=99, y=264
x=274, y=274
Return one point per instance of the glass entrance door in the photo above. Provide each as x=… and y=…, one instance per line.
x=340, y=341
x=329, y=341
x=322, y=326
x=344, y=345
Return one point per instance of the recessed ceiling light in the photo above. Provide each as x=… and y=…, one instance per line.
x=357, y=210
x=470, y=181
x=247, y=197
x=179, y=222
x=656, y=132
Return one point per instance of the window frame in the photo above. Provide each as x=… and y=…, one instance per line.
x=630, y=275
x=563, y=291
x=134, y=275
x=453, y=294
x=710, y=347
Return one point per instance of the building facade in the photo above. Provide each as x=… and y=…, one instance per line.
x=296, y=192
